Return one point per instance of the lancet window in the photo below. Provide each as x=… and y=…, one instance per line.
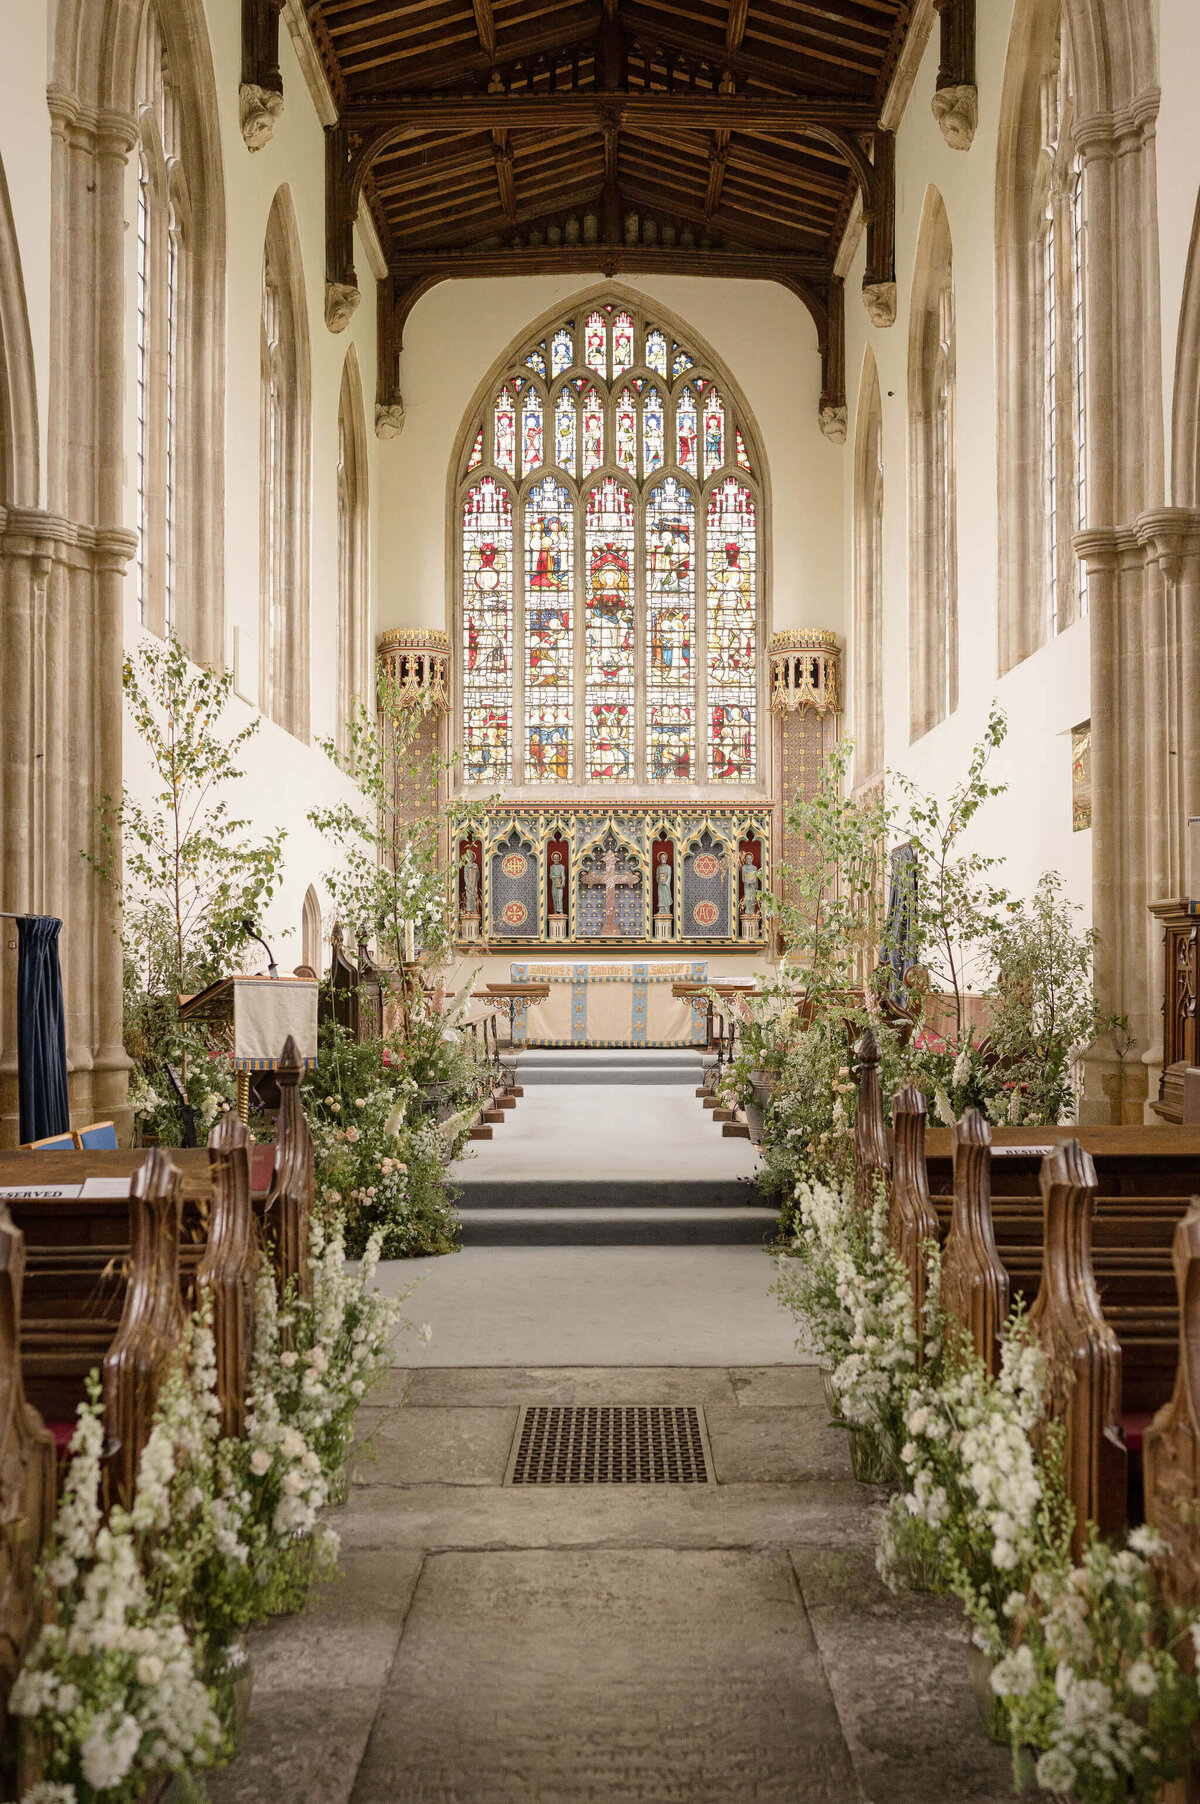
x=609, y=513
x=161, y=215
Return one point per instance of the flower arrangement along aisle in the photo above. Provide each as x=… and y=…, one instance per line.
x=999, y=1001
x=1092, y=1671
x=129, y=1679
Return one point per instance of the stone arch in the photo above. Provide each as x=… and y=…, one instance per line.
x=20, y=477
x=286, y=466
x=311, y=931
x=1185, y=401
x=932, y=536
x=867, y=673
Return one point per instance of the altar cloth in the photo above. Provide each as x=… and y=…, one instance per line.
x=612, y=1004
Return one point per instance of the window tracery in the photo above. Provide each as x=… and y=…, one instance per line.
x=609, y=513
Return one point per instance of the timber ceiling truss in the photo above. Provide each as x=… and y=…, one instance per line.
x=693, y=137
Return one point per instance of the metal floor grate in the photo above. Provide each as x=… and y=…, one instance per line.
x=610, y=1444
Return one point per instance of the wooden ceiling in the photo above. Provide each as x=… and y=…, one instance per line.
x=583, y=166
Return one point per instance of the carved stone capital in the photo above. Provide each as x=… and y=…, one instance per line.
x=341, y=298
x=389, y=419
x=833, y=423
x=957, y=112
x=258, y=109
x=879, y=299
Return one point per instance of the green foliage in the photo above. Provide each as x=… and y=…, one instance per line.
x=190, y=873
x=382, y=1139
x=391, y=870
x=959, y=906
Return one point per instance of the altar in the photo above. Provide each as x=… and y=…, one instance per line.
x=625, y=1004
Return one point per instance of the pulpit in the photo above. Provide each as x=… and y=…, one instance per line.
x=259, y=1013
x=1180, y=917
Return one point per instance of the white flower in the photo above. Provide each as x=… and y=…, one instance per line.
x=287, y=1360
x=1017, y=1675
x=47, y=1792
x=107, y=1754
x=260, y=1462
x=1055, y=1771
x=1147, y=1541
x=425, y=1331
x=149, y=1669
x=1142, y=1679
x=317, y=1359
x=293, y=1444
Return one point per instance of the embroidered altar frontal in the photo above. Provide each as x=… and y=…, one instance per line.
x=611, y=1005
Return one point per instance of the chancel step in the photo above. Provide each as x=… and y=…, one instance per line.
x=593, y=1192
x=609, y=1065
x=494, y=1227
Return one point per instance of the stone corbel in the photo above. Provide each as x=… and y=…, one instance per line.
x=879, y=207
x=260, y=96
x=389, y=419
x=956, y=98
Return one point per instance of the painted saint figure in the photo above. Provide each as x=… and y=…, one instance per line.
x=663, y=883
x=558, y=878
x=470, y=883
x=750, y=883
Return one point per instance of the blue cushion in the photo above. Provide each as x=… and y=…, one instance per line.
x=58, y=1143
x=100, y=1137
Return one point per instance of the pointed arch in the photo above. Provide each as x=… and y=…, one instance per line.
x=353, y=518
x=932, y=536
x=1185, y=405
x=180, y=309
x=867, y=673
x=609, y=557
x=310, y=931
x=286, y=475
x=1041, y=345
x=20, y=481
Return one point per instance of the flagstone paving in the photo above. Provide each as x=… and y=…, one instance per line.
x=700, y=1644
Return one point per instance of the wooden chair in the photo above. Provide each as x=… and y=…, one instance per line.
x=287, y=1210
x=27, y=1472
x=52, y=1144
x=974, y=1283
x=98, y=1136
x=151, y=1326
x=229, y=1269
x=1083, y=1355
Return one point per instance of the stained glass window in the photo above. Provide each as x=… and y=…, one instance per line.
x=653, y=432
x=622, y=344
x=685, y=427
x=549, y=664
x=732, y=683
x=562, y=351
x=594, y=353
x=609, y=646
x=714, y=432
x=625, y=431
x=564, y=431
x=610, y=603
x=506, y=432
x=531, y=431
x=487, y=553
x=593, y=432
x=670, y=630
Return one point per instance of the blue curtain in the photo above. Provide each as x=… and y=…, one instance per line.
x=898, y=929
x=41, y=1034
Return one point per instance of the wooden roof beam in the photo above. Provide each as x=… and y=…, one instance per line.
x=465, y=64
x=658, y=31
x=395, y=114
x=485, y=28
x=956, y=98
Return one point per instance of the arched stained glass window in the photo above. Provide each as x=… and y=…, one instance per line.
x=609, y=513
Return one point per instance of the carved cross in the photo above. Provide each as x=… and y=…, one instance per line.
x=611, y=879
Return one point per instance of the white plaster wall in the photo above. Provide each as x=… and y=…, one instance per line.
x=285, y=776
x=1048, y=694
x=25, y=27
x=767, y=341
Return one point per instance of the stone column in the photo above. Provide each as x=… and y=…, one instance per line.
x=1137, y=832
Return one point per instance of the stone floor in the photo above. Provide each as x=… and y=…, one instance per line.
x=675, y=1645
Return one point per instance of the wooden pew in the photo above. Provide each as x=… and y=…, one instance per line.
x=287, y=1210
x=229, y=1269
x=911, y=1220
x=27, y=1473
x=1172, y=1444
x=872, y=1157
x=974, y=1283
